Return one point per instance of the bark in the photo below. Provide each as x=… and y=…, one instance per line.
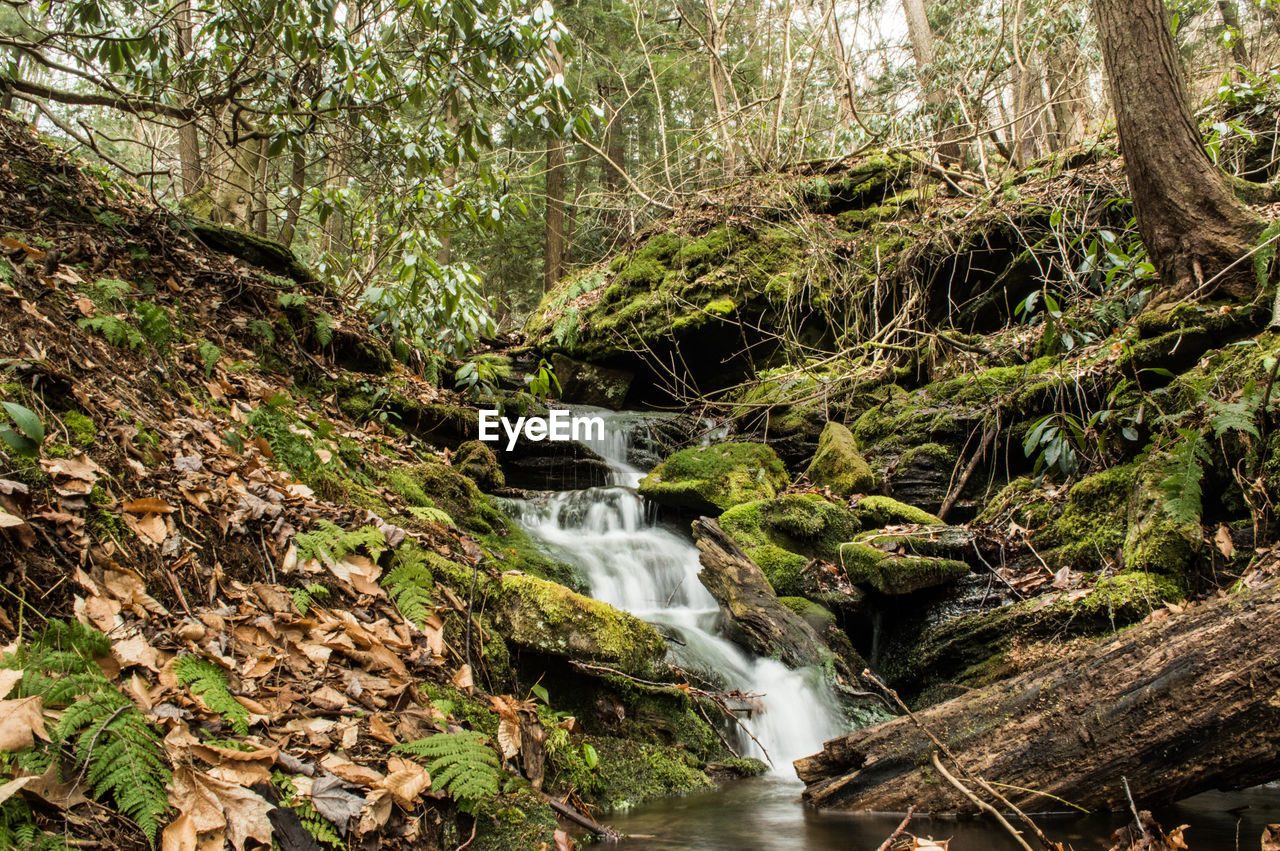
x=553, y=236
x=233, y=202
x=1068, y=89
x=449, y=178
x=1177, y=707
x=261, y=196
x=293, y=208
x=715, y=72
x=922, y=48
x=188, y=132
x=1194, y=228
x=1231, y=18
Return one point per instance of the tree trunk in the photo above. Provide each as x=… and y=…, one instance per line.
x=1194, y=228
x=1177, y=707
x=1068, y=89
x=921, y=36
x=1231, y=18
x=293, y=207
x=449, y=178
x=553, y=236
x=718, y=88
x=188, y=132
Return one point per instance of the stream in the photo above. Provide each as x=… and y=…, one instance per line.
x=651, y=570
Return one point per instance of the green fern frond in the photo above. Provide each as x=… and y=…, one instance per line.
x=154, y=322
x=462, y=764
x=209, y=683
x=304, y=597
x=1181, y=487
x=323, y=325
x=321, y=829
x=434, y=515
x=18, y=829
x=328, y=543
x=119, y=754
x=1234, y=416
x=410, y=585
x=116, y=330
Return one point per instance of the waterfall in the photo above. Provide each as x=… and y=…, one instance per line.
x=639, y=566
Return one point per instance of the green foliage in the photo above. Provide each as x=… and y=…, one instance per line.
x=292, y=449
x=410, y=585
x=118, y=753
x=431, y=514
x=27, y=432
x=116, y=330
x=108, y=293
x=462, y=764
x=321, y=829
x=304, y=597
x=328, y=543
x=153, y=320
x=323, y=324
x=1182, y=497
x=291, y=299
x=18, y=829
x=209, y=683
x=209, y=355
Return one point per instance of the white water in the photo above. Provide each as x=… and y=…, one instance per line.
x=652, y=572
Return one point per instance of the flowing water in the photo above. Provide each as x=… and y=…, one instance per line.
x=651, y=570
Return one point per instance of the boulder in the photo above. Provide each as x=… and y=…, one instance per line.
x=895, y=574
x=588, y=384
x=710, y=479
x=477, y=461
x=839, y=465
x=876, y=512
x=784, y=533
x=541, y=616
x=1159, y=539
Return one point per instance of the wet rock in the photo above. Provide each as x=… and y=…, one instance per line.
x=896, y=574
x=538, y=615
x=586, y=384
x=839, y=465
x=922, y=475
x=783, y=534
x=1159, y=539
x=876, y=512
x=710, y=479
x=760, y=621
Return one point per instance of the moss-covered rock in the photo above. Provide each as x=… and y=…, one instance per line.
x=631, y=773
x=876, y=512
x=710, y=479
x=813, y=614
x=1157, y=539
x=477, y=461
x=804, y=523
x=783, y=568
x=519, y=820
x=587, y=384
x=894, y=574
x=1093, y=523
x=548, y=618
x=839, y=465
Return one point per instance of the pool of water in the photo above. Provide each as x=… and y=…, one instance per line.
x=765, y=813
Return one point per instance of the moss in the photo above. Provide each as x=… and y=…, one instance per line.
x=1093, y=523
x=807, y=523
x=783, y=568
x=897, y=574
x=815, y=615
x=549, y=618
x=477, y=462
x=1156, y=540
x=714, y=478
x=876, y=512
x=838, y=464
x=632, y=773
x=720, y=307
x=519, y=820
x=1023, y=501
x=81, y=430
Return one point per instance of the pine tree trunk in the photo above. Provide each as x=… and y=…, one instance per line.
x=1194, y=228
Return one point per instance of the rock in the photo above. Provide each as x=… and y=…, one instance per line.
x=1090, y=530
x=783, y=534
x=710, y=479
x=587, y=384
x=876, y=512
x=256, y=250
x=761, y=622
x=1158, y=541
x=542, y=616
x=477, y=461
x=838, y=465
x=894, y=574
x=922, y=475
x=953, y=542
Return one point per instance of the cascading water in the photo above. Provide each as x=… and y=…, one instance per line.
x=652, y=572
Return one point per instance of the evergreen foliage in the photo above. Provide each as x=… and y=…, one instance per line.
x=328, y=543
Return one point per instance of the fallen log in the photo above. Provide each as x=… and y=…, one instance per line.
x=1179, y=706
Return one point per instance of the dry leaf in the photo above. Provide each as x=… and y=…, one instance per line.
x=381, y=731
x=350, y=771
x=406, y=780
x=148, y=505
x=8, y=679
x=21, y=723
x=8, y=790
x=1222, y=539
x=213, y=806
x=334, y=802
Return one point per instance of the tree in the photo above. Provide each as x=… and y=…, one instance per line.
x=921, y=35
x=1195, y=229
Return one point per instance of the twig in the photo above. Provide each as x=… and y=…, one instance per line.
x=979, y=803
x=955, y=492
x=579, y=819
x=1133, y=808
x=888, y=843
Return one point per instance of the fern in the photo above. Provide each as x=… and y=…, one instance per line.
x=108, y=293
x=1181, y=488
x=435, y=515
x=154, y=322
x=209, y=355
x=18, y=829
x=328, y=543
x=462, y=764
x=409, y=584
x=116, y=330
x=119, y=754
x=321, y=829
x=291, y=299
x=304, y=597
x=208, y=682
x=322, y=323
x=1234, y=416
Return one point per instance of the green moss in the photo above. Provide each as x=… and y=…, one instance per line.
x=897, y=574
x=714, y=478
x=549, y=618
x=519, y=820
x=876, y=512
x=721, y=306
x=783, y=568
x=839, y=465
x=815, y=615
x=632, y=773
x=81, y=430
x=1093, y=523
x=807, y=523
x=1023, y=501
x=477, y=461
